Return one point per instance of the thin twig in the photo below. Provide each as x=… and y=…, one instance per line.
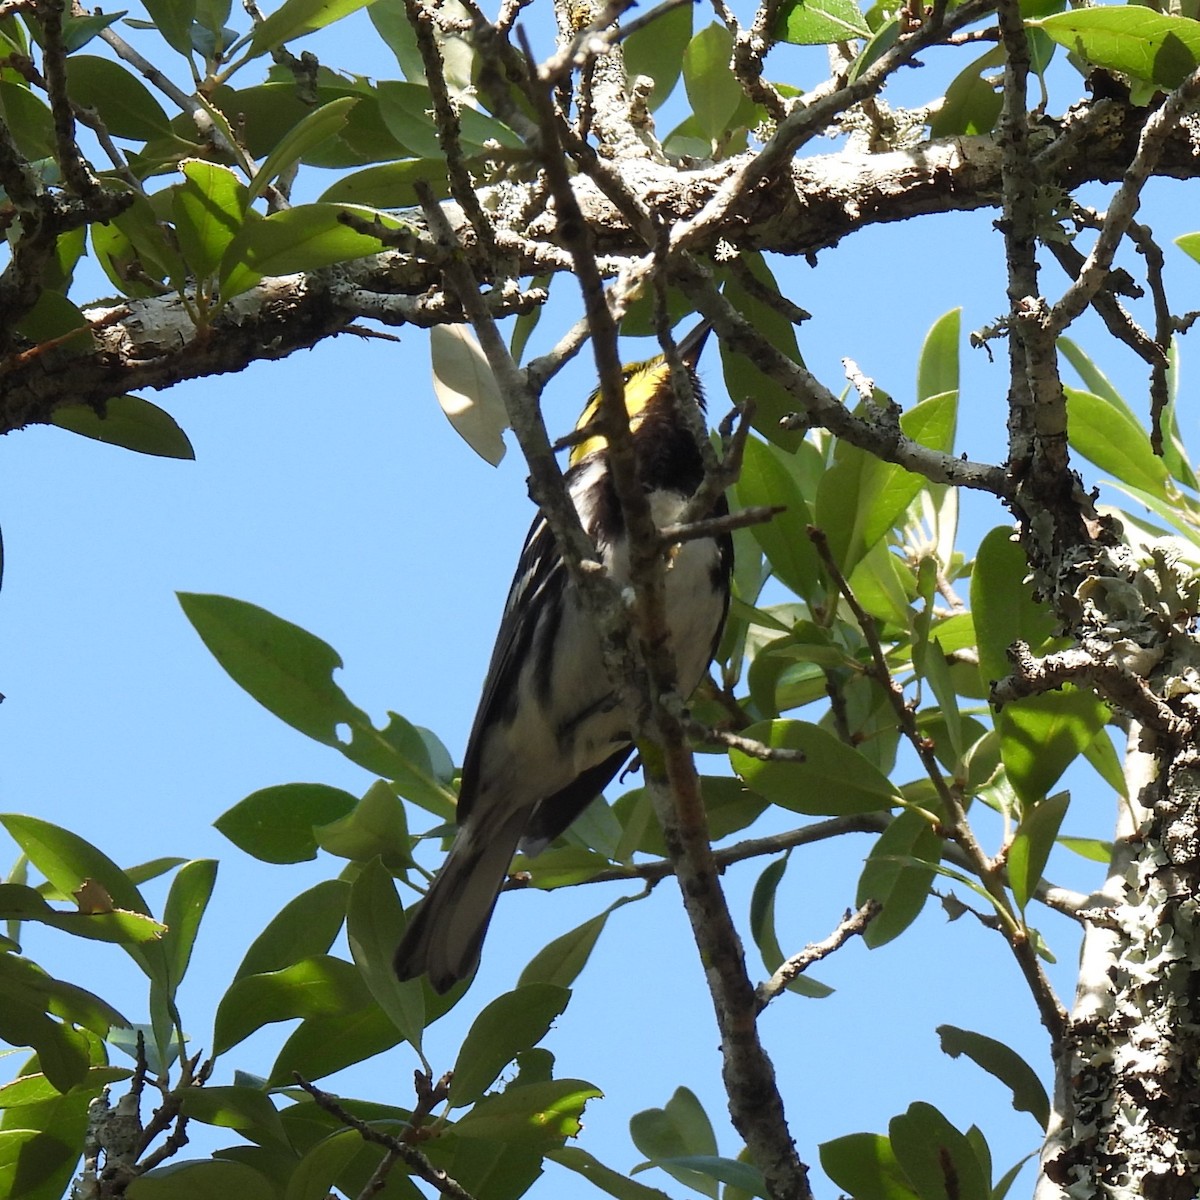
x=1124, y=204
x=416, y=1162
x=747, y=746
x=449, y=128
x=989, y=872
x=78, y=174
x=851, y=925
x=690, y=531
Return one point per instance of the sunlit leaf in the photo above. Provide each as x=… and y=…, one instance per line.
x=295, y=18
x=713, y=91
x=207, y=211
x=467, y=391
x=320, y=125
x=936, y=1157
x=374, y=925
x=1137, y=41
x=865, y=1167
x=1117, y=444
x=513, y=1022
x=833, y=778
x=276, y=824
x=819, y=22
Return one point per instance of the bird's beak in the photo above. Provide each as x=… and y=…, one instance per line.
x=692, y=343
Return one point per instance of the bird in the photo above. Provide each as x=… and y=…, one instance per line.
x=550, y=733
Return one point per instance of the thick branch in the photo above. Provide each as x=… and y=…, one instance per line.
x=813, y=204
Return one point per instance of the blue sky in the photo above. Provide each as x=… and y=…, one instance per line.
x=330, y=489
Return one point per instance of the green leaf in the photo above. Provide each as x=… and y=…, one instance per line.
x=1000, y=1060
x=303, y=238
x=36, y=1092
x=762, y=927
x=32, y=1105
x=123, y=102
x=561, y=866
x=247, y=1109
x=52, y=318
x=560, y=962
x=317, y=986
x=129, y=422
x=61, y=1050
x=21, y=903
x=1032, y=843
x=891, y=876
x=28, y=983
x=861, y=498
x=467, y=391
x=766, y=479
x=657, y=49
x=527, y=322
x=29, y=121
x=315, y=1175
x=1115, y=442
x=937, y=369
x=305, y=926
x=127, y=1040
x=539, y=1114
x=833, y=779
x=679, y=1129
x=320, y=125
x=377, y=827
x=322, y=1045
x=412, y=757
x=207, y=212
x=374, y=925
x=1092, y=849
x=747, y=1179
x=296, y=18
x=936, y=1157
x=1094, y=379
x=728, y=805
x=186, y=902
x=1189, y=243
x=173, y=21
x=865, y=1167
x=930, y=661
x=605, y=1178
x=516, y=1021
x=819, y=22
x=79, y=30
x=1137, y=41
x=28, y=1159
x=201, y=1179
x=972, y=104
x=1003, y=605
x=1040, y=736
x=391, y=185
x=1000, y=1191
x=67, y=861
x=406, y=107
x=772, y=402
x=285, y=668
x=392, y=24
x=712, y=89
x=134, y=250
x=275, y=824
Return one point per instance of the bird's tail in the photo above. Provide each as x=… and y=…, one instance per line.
x=446, y=932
